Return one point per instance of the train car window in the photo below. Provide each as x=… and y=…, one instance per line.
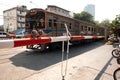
x=92, y=29
x=35, y=19
x=81, y=28
x=70, y=26
x=27, y=25
x=41, y=23
x=76, y=24
x=88, y=28
x=85, y=28
x=50, y=23
x=55, y=23
x=33, y=24
x=30, y=23
x=62, y=25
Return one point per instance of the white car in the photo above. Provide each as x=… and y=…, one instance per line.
x=2, y=34
x=6, y=35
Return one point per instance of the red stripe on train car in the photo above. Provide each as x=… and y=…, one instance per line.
x=77, y=37
x=31, y=41
x=95, y=37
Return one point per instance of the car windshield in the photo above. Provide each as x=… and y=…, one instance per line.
x=2, y=33
x=35, y=19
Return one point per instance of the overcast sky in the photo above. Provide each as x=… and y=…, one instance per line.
x=104, y=9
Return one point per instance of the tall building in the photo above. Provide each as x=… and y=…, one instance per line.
x=14, y=18
x=90, y=8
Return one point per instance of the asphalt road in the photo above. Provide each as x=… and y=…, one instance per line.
x=92, y=61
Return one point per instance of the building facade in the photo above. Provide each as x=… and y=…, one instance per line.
x=1, y=28
x=58, y=10
x=90, y=8
x=14, y=18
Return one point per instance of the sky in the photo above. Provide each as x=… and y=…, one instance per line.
x=104, y=9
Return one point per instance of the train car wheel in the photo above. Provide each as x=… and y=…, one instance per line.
x=42, y=47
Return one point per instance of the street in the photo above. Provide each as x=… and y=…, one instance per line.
x=91, y=61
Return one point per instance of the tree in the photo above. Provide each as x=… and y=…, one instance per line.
x=113, y=25
x=116, y=23
x=105, y=23
x=84, y=16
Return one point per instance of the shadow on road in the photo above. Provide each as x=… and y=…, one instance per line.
x=37, y=61
x=103, y=69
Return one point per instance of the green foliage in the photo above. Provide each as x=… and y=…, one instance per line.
x=105, y=23
x=113, y=25
x=84, y=16
x=116, y=23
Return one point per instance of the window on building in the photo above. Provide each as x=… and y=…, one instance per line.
x=59, y=9
x=21, y=25
x=18, y=25
x=20, y=18
x=20, y=12
x=10, y=24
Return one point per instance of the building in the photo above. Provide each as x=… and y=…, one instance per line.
x=58, y=10
x=90, y=8
x=1, y=28
x=14, y=18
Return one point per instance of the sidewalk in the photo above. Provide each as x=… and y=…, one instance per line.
x=96, y=64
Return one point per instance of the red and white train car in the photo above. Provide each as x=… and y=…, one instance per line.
x=41, y=23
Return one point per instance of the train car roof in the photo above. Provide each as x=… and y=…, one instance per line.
x=68, y=17
x=84, y=22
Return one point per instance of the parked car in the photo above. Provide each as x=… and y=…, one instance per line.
x=6, y=35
